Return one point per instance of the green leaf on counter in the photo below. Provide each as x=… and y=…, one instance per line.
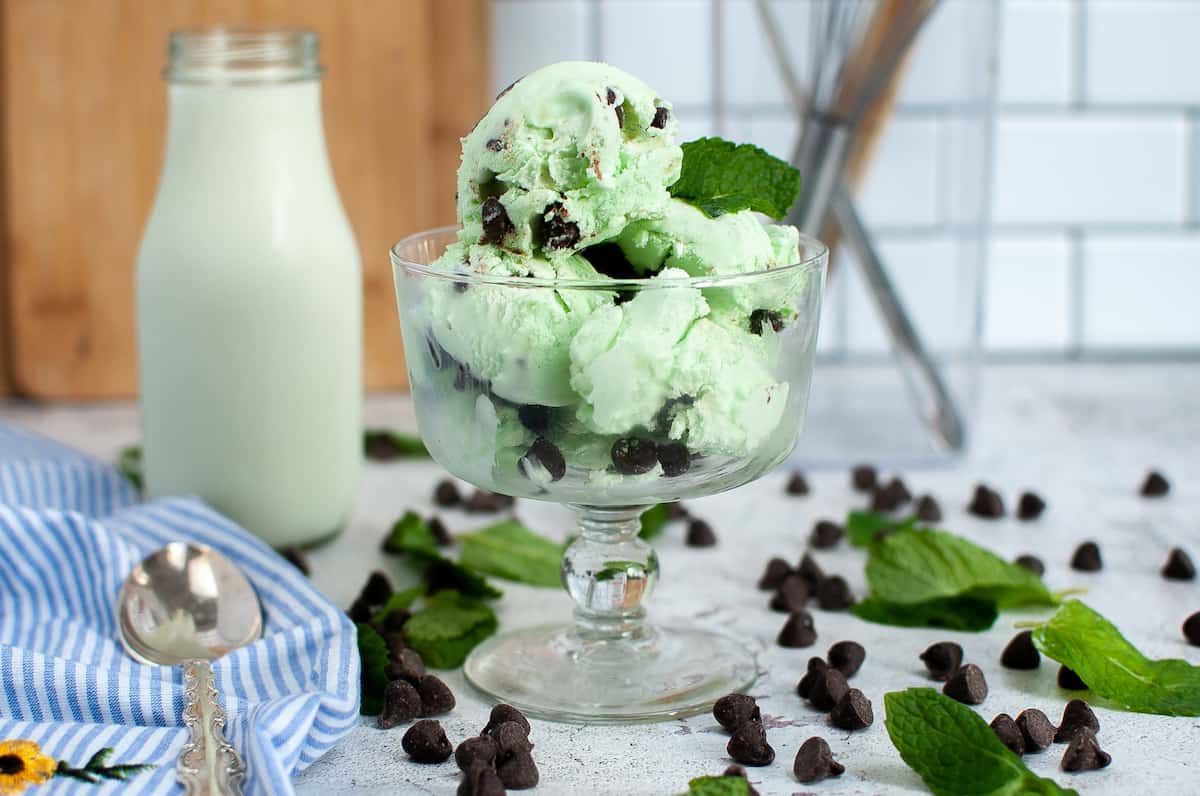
x=383, y=445
x=449, y=627
x=511, y=551
x=612, y=569
x=373, y=652
x=721, y=177
x=861, y=526
x=129, y=464
x=399, y=601
x=1085, y=642
x=445, y=575
x=954, y=613
x=718, y=786
x=411, y=537
x=654, y=519
x=955, y=751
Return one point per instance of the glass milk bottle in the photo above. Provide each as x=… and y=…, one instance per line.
x=249, y=301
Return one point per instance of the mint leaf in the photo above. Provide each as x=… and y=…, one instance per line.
x=373, y=652
x=654, y=519
x=383, y=445
x=954, y=750
x=1084, y=641
x=129, y=464
x=511, y=551
x=720, y=177
x=449, y=627
x=411, y=534
x=412, y=538
x=718, y=786
x=954, y=613
x=399, y=601
x=861, y=526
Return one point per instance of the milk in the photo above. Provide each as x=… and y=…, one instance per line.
x=249, y=314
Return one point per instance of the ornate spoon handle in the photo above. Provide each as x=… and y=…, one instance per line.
x=208, y=764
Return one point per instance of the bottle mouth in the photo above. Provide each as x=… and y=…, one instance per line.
x=242, y=56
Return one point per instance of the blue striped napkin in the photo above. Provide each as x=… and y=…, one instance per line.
x=71, y=528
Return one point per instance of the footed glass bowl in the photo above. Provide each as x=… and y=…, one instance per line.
x=608, y=396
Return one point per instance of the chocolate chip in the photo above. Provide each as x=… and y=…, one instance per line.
x=436, y=697
x=927, y=509
x=1069, y=680
x=495, y=145
x=733, y=710
x=441, y=534
x=1191, y=629
x=1009, y=734
x=359, y=611
x=863, y=478
x=395, y=644
x=545, y=454
x=1030, y=506
x=1084, y=753
x=847, y=657
x=401, y=704
x=852, y=711
x=295, y=556
x=942, y=659
x=1179, y=566
x=1020, y=652
x=1087, y=558
x=484, y=502
x=833, y=594
x=534, y=417
x=890, y=496
x=446, y=494
x=986, y=503
x=967, y=685
x=738, y=771
x=633, y=456
x=1155, y=485
x=816, y=668
x=826, y=534
x=511, y=739
x=749, y=745
x=560, y=233
x=761, y=319
x=518, y=772
x=814, y=761
x=777, y=569
x=619, y=110
x=797, y=485
x=1076, y=715
x=791, y=596
x=426, y=742
x=700, y=534
x=406, y=664
x=481, y=779
x=811, y=572
x=1037, y=732
x=797, y=631
x=496, y=223
x=674, y=458
x=1031, y=563
x=503, y=714
x=377, y=589
x=610, y=96
x=828, y=689
x=660, y=118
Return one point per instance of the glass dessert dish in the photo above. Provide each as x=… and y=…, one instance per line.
x=609, y=396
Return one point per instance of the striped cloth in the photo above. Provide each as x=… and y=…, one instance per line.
x=71, y=528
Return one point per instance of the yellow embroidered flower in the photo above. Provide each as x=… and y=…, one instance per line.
x=22, y=764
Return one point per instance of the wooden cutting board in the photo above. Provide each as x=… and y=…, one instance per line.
x=81, y=143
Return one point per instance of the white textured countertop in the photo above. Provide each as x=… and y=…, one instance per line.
x=1081, y=435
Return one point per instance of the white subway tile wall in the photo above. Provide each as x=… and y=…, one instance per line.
x=1095, y=245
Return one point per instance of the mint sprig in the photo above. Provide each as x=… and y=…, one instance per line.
x=1085, y=642
x=382, y=444
x=373, y=652
x=861, y=526
x=449, y=627
x=511, y=551
x=955, y=613
x=954, y=750
x=411, y=537
x=654, y=519
x=721, y=177
x=399, y=601
x=129, y=464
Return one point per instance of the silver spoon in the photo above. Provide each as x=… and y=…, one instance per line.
x=186, y=605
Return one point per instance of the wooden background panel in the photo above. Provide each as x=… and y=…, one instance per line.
x=84, y=110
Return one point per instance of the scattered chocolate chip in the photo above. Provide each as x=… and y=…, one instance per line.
x=797, y=485
x=814, y=761
x=833, y=594
x=826, y=534
x=1020, y=652
x=545, y=454
x=534, y=417
x=942, y=659
x=426, y=742
x=1084, y=752
x=633, y=456
x=395, y=620
x=511, y=739
x=890, y=496
x=395, y=644
x=1179, y=566
x=660, y=118
x=518, y=772
x=674, y=458
x=1191, y=629
x=967, y=685
x=436, y=697
x=1031, y=563
x=816, y=667
x=791, y=596
x=1009, y=734
x=927, y=509
x=863, y=478
x=1030, y=506
x=749, y=745
x=847, y=657
x=733, y=710
x=401, y=704
x=441, y=534
x=852, y=712
x=677, y=511
x=776, y=570
x=700, y=534
x=986, y=503
x=1037, y=732
x=495, y=145
x=359, y=611
x=1076, y=715
x=481, y=779
x=738, y=771
x=797, y=631
x=446, y=494
x=1087, y=558
x=377, y=589
x=1155, y=485
x=295, y=556
x=1069, y=680
x=496, y=223
x=761, y=319
x=406, y=664
x=503, y=714
x=811, y=572
x=828, y=689
x=560, y=233
x=484, y=502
